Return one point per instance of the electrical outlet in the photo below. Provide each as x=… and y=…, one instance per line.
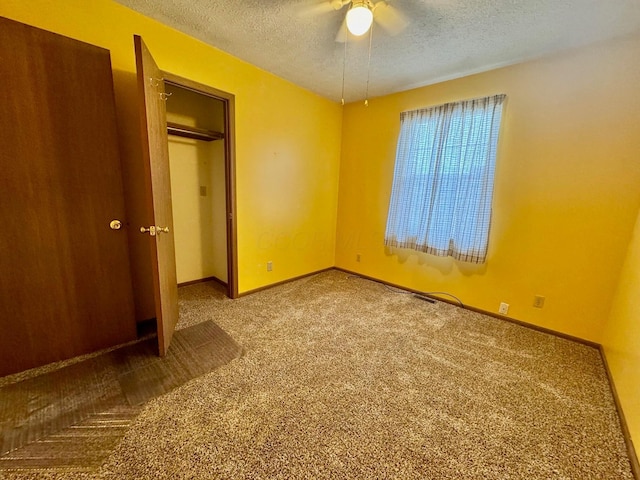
x=504, y=308
x=203, y=190
x=538, y=301
x=358, y=257
x=269, y=266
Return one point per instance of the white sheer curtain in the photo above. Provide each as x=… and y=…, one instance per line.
x=443, y=179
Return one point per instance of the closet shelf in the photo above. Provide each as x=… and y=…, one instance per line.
x=193, y=132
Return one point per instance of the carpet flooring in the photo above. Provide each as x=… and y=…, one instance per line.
x=343, y=378
x=71, y=418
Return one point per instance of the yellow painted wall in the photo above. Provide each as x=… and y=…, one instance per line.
x=567, y=188
x=287, y=139
x=621, y=340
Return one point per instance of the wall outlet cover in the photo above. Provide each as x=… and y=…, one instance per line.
x=538, y=301
x=504, y=308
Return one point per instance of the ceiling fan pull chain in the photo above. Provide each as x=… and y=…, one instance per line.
x=344, y=58
x=366, y=99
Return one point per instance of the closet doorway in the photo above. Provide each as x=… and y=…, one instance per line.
x=201, y=141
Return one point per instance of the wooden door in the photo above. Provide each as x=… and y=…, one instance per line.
x=156, y=157
x=65, y=285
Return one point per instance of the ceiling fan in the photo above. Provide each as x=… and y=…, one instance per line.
x=362, y=13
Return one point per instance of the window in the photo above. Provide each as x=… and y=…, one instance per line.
x=443, y=179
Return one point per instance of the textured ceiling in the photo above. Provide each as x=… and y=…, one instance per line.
x=444, y=39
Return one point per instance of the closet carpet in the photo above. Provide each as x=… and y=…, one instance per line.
x=343, y=378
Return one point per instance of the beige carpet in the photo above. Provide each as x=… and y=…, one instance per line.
x=71, y=418
x=343, y=378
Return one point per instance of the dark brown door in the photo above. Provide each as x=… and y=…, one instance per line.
x=156, y=152
x=65, y=285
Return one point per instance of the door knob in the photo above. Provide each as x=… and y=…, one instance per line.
x=115, y=225
x=153, y=230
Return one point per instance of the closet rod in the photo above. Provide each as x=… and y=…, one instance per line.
x=193, y=132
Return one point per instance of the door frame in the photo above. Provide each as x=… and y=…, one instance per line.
x=228, y=100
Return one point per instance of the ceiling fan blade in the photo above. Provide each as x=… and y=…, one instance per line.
x=389, y=18
x=318, y=8
x=341, y=37
x=321, y=7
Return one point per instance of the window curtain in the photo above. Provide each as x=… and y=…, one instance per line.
x=443, y=179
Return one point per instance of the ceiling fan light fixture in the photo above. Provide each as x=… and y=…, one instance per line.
x=359, y=18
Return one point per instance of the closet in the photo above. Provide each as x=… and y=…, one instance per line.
x=66, y=285
x=196, y=128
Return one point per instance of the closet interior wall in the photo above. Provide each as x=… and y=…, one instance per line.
x=198, y=188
